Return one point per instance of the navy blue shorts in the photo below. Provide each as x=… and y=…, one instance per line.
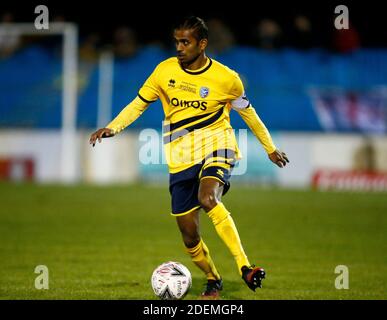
x=184, y=185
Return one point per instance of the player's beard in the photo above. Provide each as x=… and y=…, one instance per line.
x=188, y=63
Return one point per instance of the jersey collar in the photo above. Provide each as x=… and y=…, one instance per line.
x=201, y=70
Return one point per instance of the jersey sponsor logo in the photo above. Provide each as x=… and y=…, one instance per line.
x=185, y=104
x=204, y=91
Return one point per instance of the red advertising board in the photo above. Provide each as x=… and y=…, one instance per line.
x=325, y=179
x=17, y=169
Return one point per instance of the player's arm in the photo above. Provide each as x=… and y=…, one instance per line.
x=127, y=116
x=250, y=116
x=259, y=129
x=148, y=93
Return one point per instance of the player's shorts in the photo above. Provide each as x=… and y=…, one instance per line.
x=184, y=185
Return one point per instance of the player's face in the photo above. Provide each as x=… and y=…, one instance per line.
x=187, y=47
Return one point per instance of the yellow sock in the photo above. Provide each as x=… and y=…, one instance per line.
x=200, y=255
x=225, y=227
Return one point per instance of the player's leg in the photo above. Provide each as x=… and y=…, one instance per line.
x=200, y=255
x=210, y=192
x=184, y=188
x=189, y=227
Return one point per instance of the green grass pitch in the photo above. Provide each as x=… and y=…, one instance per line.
x=104, y=242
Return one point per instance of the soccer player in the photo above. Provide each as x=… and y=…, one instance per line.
x=197, y=95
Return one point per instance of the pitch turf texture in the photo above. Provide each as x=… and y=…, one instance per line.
x=104, y=242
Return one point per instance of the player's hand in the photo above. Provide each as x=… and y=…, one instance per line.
x=99, y=134
x=279, y=158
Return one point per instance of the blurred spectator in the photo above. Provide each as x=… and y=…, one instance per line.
x=365, y=156
x=301, y=34
x=268, y=34
x=10, y=39
x=89, y=47
x=346, y=40
x=125, y=42
x=220, y=37
x=89, y=50
x=58, y=18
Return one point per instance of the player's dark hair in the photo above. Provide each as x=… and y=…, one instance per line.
x=194, y=23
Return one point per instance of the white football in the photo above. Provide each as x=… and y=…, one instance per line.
x=171, y=281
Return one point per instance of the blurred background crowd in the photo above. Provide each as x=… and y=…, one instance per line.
x=301, y=73
x=300, y=30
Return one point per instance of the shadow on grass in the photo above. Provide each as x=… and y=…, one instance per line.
x=230, y=288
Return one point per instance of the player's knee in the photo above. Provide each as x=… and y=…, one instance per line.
x=191, y=241
x=190, y=236
x=207, y=200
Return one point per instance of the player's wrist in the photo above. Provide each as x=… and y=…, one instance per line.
x=107, y=132
x=272, y=150
x=110, y=131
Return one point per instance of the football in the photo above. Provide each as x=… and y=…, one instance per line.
x=171, y=281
